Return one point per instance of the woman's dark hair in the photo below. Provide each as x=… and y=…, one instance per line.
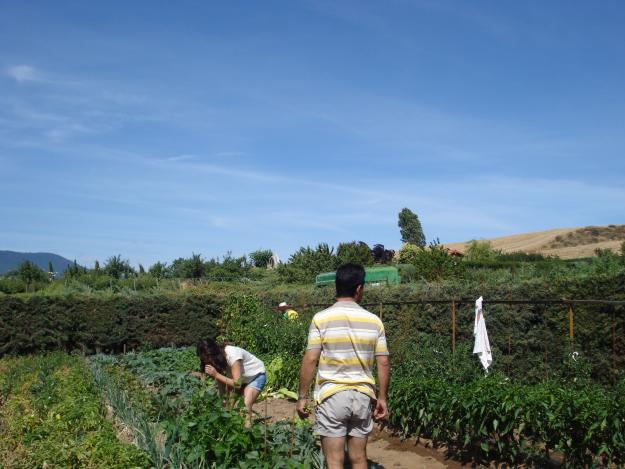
x=211, y=353
x=348, y=277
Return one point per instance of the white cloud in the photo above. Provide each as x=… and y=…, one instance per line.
x=212, y=156
x=180, y=158
x=23, y=73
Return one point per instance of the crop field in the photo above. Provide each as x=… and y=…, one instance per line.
x=134, y=411
x=565, y=243
x=144, y=409
x=52, y=415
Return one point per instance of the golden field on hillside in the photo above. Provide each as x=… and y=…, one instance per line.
x=566, y=243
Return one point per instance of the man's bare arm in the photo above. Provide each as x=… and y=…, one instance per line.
x=307, y=370
x=384, y=372
x=306, y=373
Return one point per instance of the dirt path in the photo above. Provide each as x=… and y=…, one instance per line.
x=385, y=451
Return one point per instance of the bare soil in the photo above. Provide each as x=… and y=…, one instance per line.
x=124, y=434
x=384, y=449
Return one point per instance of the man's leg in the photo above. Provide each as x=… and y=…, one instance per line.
x=359, y=428
x=357, y=449
x=333, y=451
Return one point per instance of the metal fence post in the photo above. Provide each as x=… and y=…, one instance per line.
x=453, y=327
x=545, y=339
x=613, y=344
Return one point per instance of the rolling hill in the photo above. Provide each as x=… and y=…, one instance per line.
x=10, y=260
x=566, y=243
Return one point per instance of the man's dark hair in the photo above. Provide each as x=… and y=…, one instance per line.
x=348, y=277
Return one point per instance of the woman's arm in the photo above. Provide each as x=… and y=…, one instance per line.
x=235, y=371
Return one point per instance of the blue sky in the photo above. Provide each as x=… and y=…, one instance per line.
x=158, y=129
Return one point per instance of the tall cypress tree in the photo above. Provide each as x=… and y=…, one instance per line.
x=410, y=228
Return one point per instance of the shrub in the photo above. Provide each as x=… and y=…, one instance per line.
x=260, y=258
x=305, y=264
x=117, y=267
x=356, y=252
x=480, y=251
x=431, y=263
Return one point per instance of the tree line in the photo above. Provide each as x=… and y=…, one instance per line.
x=416, y=260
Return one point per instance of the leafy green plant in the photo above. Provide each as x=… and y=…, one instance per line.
x=260, y=257
x=480, y=251
x=493, y=418
x=354, y=251
x=54, y=417
x=306, y=263
x=198, y=430
x=431, y=263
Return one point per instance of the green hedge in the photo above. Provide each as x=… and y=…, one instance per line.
x=31, y=324
x=528, y=340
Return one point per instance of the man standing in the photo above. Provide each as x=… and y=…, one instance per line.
x=346, y=340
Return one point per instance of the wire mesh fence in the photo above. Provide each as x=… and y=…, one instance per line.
x=530, y=339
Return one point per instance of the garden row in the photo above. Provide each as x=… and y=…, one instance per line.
x=141, y=410
x=52, y=415
x=181, y=421
x=493, y=418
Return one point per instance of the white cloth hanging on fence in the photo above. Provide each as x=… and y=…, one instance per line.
x=482, y=345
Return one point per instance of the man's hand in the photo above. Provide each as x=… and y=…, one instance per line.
x=381, y=410
x=301, y=409
x=306, y=372
x=210, y=371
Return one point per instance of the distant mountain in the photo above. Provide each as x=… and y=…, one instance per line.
x=10, y=260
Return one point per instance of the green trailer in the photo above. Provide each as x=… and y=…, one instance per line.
x=386, y=275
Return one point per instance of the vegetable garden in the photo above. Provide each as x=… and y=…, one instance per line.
x=547, y=398
x=54, y=410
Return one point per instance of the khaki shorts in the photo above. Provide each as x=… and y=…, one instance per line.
x=344, y=413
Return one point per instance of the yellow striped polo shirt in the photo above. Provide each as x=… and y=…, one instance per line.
x=349, y=337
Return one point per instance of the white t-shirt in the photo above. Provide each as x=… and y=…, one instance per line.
x=250, y=365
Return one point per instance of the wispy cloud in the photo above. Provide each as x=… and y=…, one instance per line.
x=216, y=155
x=263, y=176
x=23, y=73
x=181, y=158
x=63, y=133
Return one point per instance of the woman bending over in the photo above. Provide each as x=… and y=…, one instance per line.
x=232, y=368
